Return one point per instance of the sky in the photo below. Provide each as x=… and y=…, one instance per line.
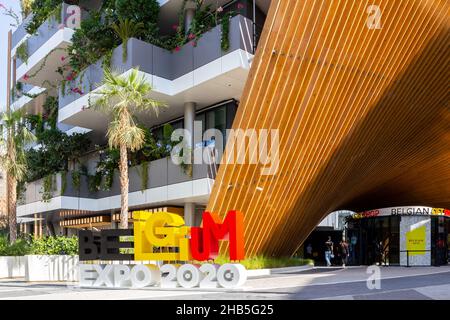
x=5, y=22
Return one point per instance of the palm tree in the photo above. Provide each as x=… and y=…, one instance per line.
x=14, y=138
x=126, y=29
x=122, y=97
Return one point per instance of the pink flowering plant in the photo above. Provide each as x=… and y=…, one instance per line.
x=9, y=12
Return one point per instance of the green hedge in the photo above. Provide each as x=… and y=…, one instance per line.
x=262, y=262
x=55, y=246
x=46, y=246
x=19, y=248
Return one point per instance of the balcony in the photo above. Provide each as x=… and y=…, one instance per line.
x=45, y=49
x=167, y=183
x=203, y=73
x=25, y=98
x=20, y=34
x=30, y=100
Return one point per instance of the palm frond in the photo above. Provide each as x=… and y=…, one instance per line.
x=13, y=158
x=133, y=137
x=126, y=29
x=121, y=96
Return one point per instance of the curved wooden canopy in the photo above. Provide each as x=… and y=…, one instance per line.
x=363, y=116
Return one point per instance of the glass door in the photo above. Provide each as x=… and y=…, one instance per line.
x=394, y=240
x=439, y=241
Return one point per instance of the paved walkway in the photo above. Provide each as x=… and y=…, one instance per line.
x=319, y=283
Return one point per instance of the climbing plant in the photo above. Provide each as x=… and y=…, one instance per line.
x=76, y=179
x=144, y=175
x=43, y=64
x=203, y=21
x=50, y=114
x=225, y=38
x=55, y=150
x=94, y=39
x=48, y=185
x=143, y=12
x=22, y=51
x=43, y=10
x=63, y=182
x=108, y=163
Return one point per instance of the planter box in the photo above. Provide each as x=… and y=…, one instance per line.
x=12, y=267
x=51, y=268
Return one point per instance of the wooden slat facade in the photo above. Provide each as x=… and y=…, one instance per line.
x=363, y=117
x=176, y=210
x=88, y=222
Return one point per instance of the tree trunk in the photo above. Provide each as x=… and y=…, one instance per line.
x=12, y=219
x=123, y=169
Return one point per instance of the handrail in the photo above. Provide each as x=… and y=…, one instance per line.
x=255, y=25
x=407, y=254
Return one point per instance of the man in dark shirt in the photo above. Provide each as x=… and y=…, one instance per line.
x=328, y=251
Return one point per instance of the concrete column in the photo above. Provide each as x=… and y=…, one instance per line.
x=189, y=118
x=35, y=225
x=113, y=223
x=41, y=226
x=189, y=12
x=189, y=214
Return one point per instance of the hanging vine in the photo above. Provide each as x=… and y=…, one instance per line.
x=225, y=40
x=22, y=52
x=144, y=176
x=63, y=182
x=43, y=10
x=76, y=179
x=48, y=186
x=44, y=62
x=186, y=167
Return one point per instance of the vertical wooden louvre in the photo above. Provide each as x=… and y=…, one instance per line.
x=363, y=116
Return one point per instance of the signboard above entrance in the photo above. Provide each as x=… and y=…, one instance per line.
x=403, y=211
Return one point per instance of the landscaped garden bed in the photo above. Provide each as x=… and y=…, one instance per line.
x=46, y=259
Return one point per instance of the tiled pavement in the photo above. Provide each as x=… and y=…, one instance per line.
x=341, y=284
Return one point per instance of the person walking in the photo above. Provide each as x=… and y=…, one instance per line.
x=309, y=251
x=328, y=251
x=344, y=252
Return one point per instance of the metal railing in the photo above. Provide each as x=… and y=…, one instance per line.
x=256, y=28
x=407, y=254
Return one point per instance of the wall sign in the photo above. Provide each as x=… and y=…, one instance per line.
x=415, y=240
x=403, y=211
x=163, y=236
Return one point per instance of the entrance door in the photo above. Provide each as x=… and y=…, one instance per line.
x=439, y=240
x=378, y=240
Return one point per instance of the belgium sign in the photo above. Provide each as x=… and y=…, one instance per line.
x=163, y=236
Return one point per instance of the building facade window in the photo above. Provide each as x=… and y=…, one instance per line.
x=219, y=116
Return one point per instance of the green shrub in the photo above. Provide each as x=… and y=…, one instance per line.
x=42, y=10
x=144, y=11
x=261, y=262
x=93, y=40
x=19, y=248
x=55, y=246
